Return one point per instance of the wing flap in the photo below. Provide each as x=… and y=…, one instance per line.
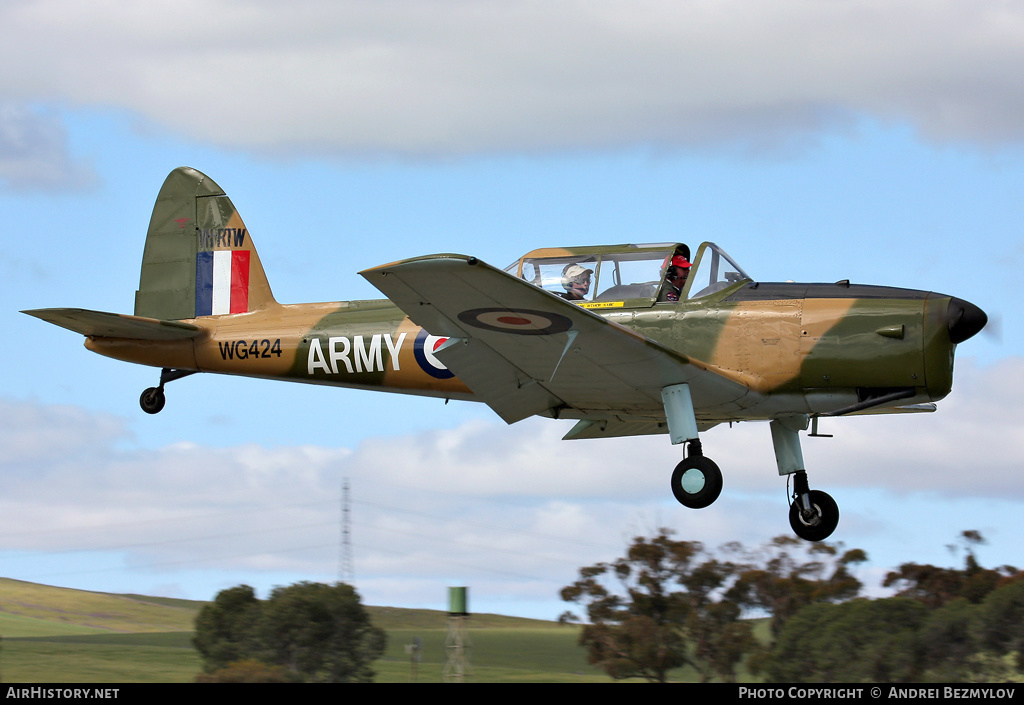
x=100, y=324
x=905, y=409
x=614, y=428
x=512, y=393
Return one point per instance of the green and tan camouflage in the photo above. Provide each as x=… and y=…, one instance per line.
x=595, y=334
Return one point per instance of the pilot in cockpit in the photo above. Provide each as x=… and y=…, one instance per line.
x=576, y=281
x=676, y=273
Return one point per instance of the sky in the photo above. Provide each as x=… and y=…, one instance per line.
x=880, y=141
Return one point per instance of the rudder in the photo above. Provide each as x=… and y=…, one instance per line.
x=199, y=259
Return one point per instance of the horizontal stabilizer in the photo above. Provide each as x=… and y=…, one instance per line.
x=99, y=324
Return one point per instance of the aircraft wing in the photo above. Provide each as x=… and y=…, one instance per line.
x=99, y=324
x=526, y=351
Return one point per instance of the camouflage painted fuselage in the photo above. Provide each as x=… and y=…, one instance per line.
x=810, y=348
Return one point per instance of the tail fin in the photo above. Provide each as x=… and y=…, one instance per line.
x=199, y=259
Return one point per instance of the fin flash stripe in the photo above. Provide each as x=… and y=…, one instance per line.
x=222, y=282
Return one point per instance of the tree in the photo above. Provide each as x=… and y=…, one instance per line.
x=721, y=640
x=787, y=574
x=901, y=639
x=946, y=641
x=858, y=641
x=315, y=632
x=946, y=624
x=637, y=634
x=935, y=586
x=226, y=628
x=999, y=626
x=321, y=632
x=689, y=605
x=661, y=614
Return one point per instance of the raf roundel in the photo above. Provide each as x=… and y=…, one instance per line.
x=517, y=321
x=423, y=349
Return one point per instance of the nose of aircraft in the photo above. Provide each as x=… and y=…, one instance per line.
x=963, y=319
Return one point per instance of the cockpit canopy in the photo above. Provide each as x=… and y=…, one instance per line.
x=619, y=273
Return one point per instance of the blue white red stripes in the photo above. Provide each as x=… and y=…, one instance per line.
x=222, y=282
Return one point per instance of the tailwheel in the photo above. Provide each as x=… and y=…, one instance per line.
x=152, y=400
x=696, y=482
x=817, y=522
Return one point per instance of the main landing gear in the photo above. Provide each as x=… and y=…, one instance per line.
x=697, y=480
x=813, y=514
x=152, y=399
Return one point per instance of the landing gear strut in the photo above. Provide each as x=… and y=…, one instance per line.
x=152, y=399
x=813, y=514
x=696, y=481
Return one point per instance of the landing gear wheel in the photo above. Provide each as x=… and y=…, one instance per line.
x=696, y=482
x=152, y=400
x=823, y=519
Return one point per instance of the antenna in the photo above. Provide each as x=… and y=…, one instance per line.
x=346, y=568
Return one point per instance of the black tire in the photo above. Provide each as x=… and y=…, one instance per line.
x=696, y=482
x=152, y=400
x=822, y=525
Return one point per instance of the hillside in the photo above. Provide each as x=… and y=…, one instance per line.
x=53, y=634
x=29, y=609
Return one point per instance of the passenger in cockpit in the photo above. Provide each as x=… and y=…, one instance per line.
x=576, y=281
x=676, y=273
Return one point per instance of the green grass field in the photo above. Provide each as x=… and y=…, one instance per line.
x=58, y=635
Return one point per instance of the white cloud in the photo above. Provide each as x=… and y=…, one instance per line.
x=970, y=447
x=974, y=431
x=449, y=77
x=34, y=153
x=512, y=510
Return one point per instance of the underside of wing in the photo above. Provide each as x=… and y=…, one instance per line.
x=526, y=351
x=99, y=324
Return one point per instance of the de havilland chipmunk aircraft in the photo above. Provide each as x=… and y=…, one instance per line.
x=625, y=339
